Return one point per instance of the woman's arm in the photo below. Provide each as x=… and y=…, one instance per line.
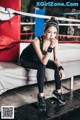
x=43, y=58
x=57, y=62
x=55, y=54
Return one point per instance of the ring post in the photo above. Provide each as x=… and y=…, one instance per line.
x=39, y=23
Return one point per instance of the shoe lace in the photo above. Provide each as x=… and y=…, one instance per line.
x=42, y=100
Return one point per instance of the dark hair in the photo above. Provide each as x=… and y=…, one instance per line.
x=52, y=22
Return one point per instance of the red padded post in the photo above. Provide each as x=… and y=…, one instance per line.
x=10, y=29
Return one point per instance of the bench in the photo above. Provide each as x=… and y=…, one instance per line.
x=13, y=75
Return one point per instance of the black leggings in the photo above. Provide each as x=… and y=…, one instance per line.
x=41, y=72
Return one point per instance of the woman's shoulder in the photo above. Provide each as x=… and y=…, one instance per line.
x=35, y=41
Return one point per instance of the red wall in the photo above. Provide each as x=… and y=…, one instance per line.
x=11, y=30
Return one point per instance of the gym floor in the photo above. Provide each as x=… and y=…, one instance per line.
x=25, y=101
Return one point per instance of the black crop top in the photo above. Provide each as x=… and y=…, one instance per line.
x=29, y=52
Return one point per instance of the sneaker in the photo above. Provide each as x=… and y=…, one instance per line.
x=59, y=97
x=41, y=103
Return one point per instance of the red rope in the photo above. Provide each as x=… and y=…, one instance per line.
x=61, y=35
x=27, y=33
x=29, y=41
x=25, y=41
x=68, y=36
x=60, y=41
x=69, y=41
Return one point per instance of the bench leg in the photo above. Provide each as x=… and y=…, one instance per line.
x=71, y=84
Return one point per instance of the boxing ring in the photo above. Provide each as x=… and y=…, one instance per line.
x=13, y=75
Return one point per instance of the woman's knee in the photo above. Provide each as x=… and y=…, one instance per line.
x=41, y=66
x=56, y=68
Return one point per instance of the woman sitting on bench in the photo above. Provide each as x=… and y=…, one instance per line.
x=37, y=56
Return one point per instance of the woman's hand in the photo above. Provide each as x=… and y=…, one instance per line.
x=62, y=74
x=52, y=44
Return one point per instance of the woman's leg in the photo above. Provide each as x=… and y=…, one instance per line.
x=40, y=78
x=53, y=66
x=57, y=93
x=40, y=73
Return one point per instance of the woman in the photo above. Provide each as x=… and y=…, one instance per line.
x=37, y=56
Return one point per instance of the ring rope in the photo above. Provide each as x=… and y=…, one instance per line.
x=30, y=41
x=70, y=36
x=69, y=41
x=61, y=35
x=68, y=24
x=23, y=23
x=45, y=16
x=72, y=13
x=60, y=41
x=31, y=33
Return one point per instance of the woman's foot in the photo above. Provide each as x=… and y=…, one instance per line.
x=41, y=103
x=59, y=97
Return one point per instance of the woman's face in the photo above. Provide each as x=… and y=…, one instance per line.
x=50, y=33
